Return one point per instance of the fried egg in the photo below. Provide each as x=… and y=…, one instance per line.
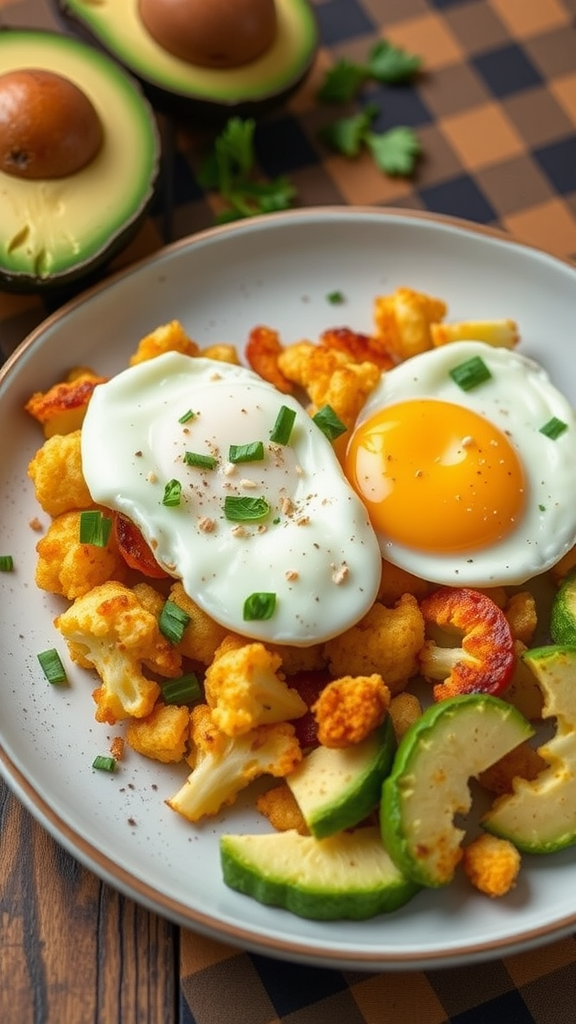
x=465, y=458
x=267, y=537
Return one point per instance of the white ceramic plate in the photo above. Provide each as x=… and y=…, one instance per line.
x=277, y=271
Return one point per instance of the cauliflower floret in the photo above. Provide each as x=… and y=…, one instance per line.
x=244, y=689
x=162, y=735
x=281, y=808
x=386, y=641
x=109, y=630
x=170, y=337
x=403, y=321
x=202, y=636
x=520, y=610
x=350, y=708
x=222, y=765
x=61, y=409
x=56, y=472
x=396, y=581
x=330, y=378
x=69, y=568
x=491, y=864
x=221, y=353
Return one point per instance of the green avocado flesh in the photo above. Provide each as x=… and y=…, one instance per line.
x=116, y=25
x=54, y=231
x=540, y=816
x=346, y=876
x=337, y=788
x=453, y=741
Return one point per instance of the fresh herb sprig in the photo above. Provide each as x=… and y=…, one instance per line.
x=394, y=151
x=385, y=63
x=230, y=169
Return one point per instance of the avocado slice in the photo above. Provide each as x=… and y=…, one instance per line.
x=346, y=876
x=56, y=231
x=337, y=788
x=453, y=741
x=540, y=816
x=210, y=94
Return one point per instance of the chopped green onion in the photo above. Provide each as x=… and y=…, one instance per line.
x=245, y=510
x=253, y=452
x=335, y=298
x=185, y=690
x=52, y=667
x=330, y=424
x=173, y=621
x=94, y=528
x=470, y=374
x=186, y=416
x=6, y=563
x=172, y=494
x=104, y=764
x=259, y=606
x=200, y=461
x=553, y=428
x=282, y=429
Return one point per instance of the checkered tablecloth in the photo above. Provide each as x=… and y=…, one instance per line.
x=495, y=111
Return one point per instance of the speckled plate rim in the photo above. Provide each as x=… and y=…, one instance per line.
x=255, y=935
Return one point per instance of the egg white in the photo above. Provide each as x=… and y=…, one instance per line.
x=316, y=550
x=519, y=398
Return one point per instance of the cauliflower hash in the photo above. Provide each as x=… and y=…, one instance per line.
x=257, y=709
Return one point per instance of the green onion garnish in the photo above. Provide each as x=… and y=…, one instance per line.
x=253, y=452
x=104, y=764
x=173, y=621
x=6, y=563
x=245, y=510
x=335, y=297
x=330, y=424
x=553, y=428
x=258, y=606
x=94, y=528
x=185, y=690
x=200, y=461
x=52, y=667
x=470, y=374
x=172, y=494
x=280, y=433
x=186, y=416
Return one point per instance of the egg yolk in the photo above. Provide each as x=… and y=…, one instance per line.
x=436, y=476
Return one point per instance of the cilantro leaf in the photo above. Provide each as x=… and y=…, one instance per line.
x=342, y=81
x=394, y=151
x=347, y=134
x=389, y=63
x=229, y=169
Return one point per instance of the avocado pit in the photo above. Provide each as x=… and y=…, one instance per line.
x=213, y=34
x=49, y=127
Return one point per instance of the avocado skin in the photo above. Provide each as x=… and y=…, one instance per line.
x=182, y=105
x=90, y=264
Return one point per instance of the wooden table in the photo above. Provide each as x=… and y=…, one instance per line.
x=71, y=948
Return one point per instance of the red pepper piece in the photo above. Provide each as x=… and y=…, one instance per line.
x=134, y=549
x=484, y=661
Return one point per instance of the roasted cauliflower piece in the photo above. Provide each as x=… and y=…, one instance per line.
x=108, y=629
x=386, y=641
x=281, y=808
x=403, y=321
x=203, y=635
x=56, y=472
x=169, y=337
x=163, y=735
x=349, y=709
x=329, y=377
x=61, y=409
x=491, y=864
x=67, y=567
x=224, y=765
x=245, y=689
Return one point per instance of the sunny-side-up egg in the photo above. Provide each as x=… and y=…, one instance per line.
x=260, y=524
x=465, y=457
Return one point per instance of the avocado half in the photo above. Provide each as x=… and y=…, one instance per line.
x=182, y=89
x=54, y=232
